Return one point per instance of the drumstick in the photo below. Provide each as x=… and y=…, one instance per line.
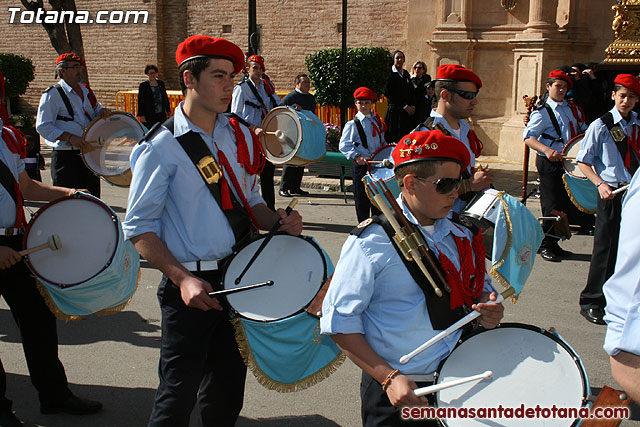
x=437, y=387
x=386, y=163
x=266, y=240
x=241, y=288
x=53, y=242
x=621, y=189
x=279, y=134
x=451, y=329
x=569, y=157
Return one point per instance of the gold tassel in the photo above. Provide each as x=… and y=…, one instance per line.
x=573, y=199
x=266, y=381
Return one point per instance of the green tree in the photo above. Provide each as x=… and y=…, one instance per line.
x=18, y=73
x=366, y=66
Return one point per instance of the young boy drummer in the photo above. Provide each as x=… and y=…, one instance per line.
x=374, y=309
x=361, y=137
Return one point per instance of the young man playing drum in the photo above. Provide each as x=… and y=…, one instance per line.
x=361, y=137
x=65, y=111
x=456, y=91
x=252, y=99
x=179, y=219
x=374, y=309
x=547, y=132
x=18, y=288
x=608, y=157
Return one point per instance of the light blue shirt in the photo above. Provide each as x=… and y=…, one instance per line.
x=539, y=123
x=372, y=293
x=462, y=134
x=16, y=166
x=622, y=290
x=350, y=143
x=51, y=106
x=599, y=150
x=168, y=196
x=243, y=93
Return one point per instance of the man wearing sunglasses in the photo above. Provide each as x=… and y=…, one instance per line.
x=376, y=310
x=456, y=91
x=547, y=132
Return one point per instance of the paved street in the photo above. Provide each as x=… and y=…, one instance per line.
x=114, y=359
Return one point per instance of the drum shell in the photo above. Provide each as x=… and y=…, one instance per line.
x=483, y=209
x=385, y=174
x=306, y=130
x=516, y=354
x=581, y=191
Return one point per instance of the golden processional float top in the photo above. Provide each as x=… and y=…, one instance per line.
x=625, y=49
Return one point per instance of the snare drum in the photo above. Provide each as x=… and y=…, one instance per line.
x=530, y=366
x=293, y=137
x=483, y=209
x=581, y=191
x=95, y=270
x=295, y=264
x=109, y=144
x=375, y=171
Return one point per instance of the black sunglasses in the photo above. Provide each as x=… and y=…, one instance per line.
x=466, y=94
x=444, y=185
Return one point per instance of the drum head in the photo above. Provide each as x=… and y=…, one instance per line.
x=571, y=150
x=282, y=147
x=88, y=233
x=296, y=266
x=377, y=170
x=530, y=366
x=109, y=144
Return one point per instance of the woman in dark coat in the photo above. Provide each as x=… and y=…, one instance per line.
x=153, y=102
x=399, y=91
x=419, y=80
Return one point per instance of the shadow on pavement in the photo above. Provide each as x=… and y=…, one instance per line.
x=335, y=228
x=125, y=326
x=292, y=421
x=123, y=407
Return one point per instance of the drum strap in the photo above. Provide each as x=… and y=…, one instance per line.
x=67, y=103
x=556, y=125
x=363, y=136
x=199, y=153
x=429, y=123
x=440, y=312
x=622, y=143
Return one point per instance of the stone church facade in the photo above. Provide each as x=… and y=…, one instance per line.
x=511, y=44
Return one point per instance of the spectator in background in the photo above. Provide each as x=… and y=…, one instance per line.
x=300, y=99
x=419, y=81
x=153, y=102
x=399, y=91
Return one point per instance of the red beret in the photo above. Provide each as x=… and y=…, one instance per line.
x=629, y=81
x=430, y=145
x=208, y=47
x=454, y=72
x=69, y=57
x=259, y=59
x=365, y=93
x=561, y=75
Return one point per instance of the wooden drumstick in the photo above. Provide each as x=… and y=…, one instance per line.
x=241, y=288
x=386, y=163
x=568, y=157
x=54, y=243
x=437, y=387
x=279, y=134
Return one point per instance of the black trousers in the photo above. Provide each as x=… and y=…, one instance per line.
x=200, y=364
x=399, y=123
x=266, y=185
x=160, y=117
x=553, y=195
x=68, y=170
x=364, y=207
x=377, y=411
x=291, y=177
x=605, y=251
x=37, y=329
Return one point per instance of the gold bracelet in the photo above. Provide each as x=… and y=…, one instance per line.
x=387, y=381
